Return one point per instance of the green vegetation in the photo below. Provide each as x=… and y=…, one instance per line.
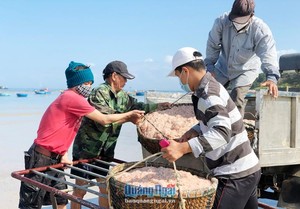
x=288, y=79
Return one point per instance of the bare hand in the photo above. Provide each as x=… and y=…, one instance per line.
x=135, y=116
x=65, y=160
x=175, y=150
x=188, y=135
x=273, y=90
x=163, y=106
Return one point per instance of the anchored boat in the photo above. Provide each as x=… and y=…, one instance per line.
x=42, y=91
x=22, y=94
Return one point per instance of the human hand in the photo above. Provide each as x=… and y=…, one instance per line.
x=188, y=135
x=175, y=150
x=135, y=116
x=164, y=106
x=273, y=90
x=65, y=160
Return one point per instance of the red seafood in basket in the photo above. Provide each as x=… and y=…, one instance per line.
x=154, y=185
x=171, y=124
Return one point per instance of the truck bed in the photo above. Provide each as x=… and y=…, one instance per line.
x=278, y=128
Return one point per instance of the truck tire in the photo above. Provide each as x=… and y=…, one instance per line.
x=289, y=195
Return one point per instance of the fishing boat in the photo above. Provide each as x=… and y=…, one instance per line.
x=4, y=94
x=42, y=91
x=140, y=93
x=22, y=94
x=172, y=97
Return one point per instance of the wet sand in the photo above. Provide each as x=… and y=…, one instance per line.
x=17, y=132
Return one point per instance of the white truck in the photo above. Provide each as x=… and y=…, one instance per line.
x=276, y=136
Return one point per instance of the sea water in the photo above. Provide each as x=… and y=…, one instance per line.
x=19, y=120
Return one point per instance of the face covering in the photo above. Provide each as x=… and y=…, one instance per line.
x=84, y=90
x=184, y=87
x=240, y=26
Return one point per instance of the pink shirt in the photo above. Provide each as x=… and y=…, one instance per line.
x=61, y=122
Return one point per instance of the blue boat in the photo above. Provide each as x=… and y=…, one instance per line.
x=22, y=95
x=140, y=93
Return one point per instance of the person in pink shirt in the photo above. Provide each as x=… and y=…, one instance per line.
x=57, y=131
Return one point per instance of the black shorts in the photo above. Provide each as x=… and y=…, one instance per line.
x=90, y=169
x=32, y=196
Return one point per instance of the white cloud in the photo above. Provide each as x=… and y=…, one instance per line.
x=168, y=59
x=149, y=60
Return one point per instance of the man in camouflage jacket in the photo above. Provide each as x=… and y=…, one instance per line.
x=94, y=140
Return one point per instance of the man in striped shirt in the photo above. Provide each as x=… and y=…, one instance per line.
x=220, y=134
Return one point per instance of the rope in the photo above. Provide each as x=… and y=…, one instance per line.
x=112, y=175
x=182, y=201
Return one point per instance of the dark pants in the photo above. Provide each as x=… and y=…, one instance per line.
x=238, y=95
x=237, y=193
x=32, y=197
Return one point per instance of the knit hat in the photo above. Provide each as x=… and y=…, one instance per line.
x=183, y=56
x=78, y=73
x=241, y=11
x=118, y=67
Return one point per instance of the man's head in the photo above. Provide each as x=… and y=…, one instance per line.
x=188, y=66
x=242, y=11
x=117, y=67
x=186, y=56
x=116, y=74
x=77, y=74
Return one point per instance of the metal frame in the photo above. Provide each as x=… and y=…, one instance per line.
x=54, y=192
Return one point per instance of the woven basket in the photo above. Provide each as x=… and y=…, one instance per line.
x=152, y=144
x=200, y=199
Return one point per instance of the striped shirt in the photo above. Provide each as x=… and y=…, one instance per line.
x=222, y=135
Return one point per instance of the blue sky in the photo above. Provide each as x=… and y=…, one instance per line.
x=38, y=39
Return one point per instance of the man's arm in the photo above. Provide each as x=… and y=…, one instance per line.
x=175, y=150
x=213, y=46
x=266, y=51
x=133, y=116
x=101, y=100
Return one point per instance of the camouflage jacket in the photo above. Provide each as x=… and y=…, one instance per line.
x=93, y=139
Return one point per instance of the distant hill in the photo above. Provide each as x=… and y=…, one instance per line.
x=288, y=79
